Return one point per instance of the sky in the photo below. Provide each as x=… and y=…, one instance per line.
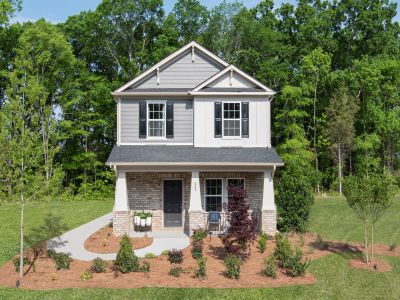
x=58, y=10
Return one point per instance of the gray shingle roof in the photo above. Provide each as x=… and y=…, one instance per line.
x=189, y=154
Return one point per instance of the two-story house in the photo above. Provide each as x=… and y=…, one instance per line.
x=187, y=128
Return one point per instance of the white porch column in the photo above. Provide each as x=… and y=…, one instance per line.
x=268, y=209
x=121, y=214
x=196, y=218
x=195, y=197
x=121, y=192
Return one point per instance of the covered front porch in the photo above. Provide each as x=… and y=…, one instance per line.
x=179, y=199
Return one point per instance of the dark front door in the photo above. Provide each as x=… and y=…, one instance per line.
x=172, y=203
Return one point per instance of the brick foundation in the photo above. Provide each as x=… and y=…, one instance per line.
x=121, y=222
x=196, y=220
x=268, y=221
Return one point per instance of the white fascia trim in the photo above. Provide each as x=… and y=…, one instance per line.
x=119, y=121
x=232, y=93
x=194, y=164
x=237, y=70
x=127, y=94
x=156, y=144
x=169, y=58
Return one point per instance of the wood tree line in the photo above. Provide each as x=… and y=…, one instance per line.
x=335, y=66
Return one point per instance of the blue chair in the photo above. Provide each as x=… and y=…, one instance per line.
x=214, y=219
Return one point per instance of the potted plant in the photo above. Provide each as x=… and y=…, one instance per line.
x=143, y=219
x=136, y=220
x=148, y=219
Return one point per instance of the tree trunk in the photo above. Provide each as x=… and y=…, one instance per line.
x=372, y=242
x=315, y=131
x=21, y=258
x=340, y=169
x=366, y=242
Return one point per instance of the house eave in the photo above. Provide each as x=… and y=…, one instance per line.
x=129, y=94
x=247, y=164
x=232, y=93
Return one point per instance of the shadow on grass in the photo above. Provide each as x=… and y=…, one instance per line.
x=343, y=249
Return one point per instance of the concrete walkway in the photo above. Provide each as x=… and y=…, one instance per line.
x=72, y=242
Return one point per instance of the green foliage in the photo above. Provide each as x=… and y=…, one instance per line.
x=16, y=262
x=145, y=267
x=269, y=268
x=176, y=271
x=232, y=263
x=150, y=255
x=175, y=256
x=98, y=265
x=51, y=253
x=262, y=242
x=165, y=252
x=126, y=260
x=86, y=276
x=199, y=234
x=197, y=250
x=295, y=266
x=62, y=260
x=322, y=244
x=283, y=250
x=201, y=267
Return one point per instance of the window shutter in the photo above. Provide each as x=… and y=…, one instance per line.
x=170, y=119
x=142, y=120
x=218, y=119
x=245, y=119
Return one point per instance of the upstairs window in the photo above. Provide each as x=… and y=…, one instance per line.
x=156, y=119
x=231, y=118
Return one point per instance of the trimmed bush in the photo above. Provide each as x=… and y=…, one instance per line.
x=98, y=265
x=145, y=267
x=269, y=267
x=165, y=252
x=201, y=267
x=232, y=263
x=295, y=266
x=175, y=256
x=25, y=262
x=283, y=250
x=197, y=250
x=126, y=260
x=150, y=255
x=62, y=260
x=51, y=253
x=199, y=234
x=262, y=242
x=86, y=276
x=176, y=271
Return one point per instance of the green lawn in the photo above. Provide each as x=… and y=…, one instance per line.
x=335, y=280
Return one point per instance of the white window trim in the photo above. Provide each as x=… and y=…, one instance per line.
x=205, y=193
x=228, y=137
x=157, y=138
x=225, y=200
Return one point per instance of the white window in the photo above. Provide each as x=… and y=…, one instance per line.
x=237, y=182
x=231, y=118
x=156, y=119
x=213, y=194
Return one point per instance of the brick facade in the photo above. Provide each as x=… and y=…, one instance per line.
x=145, y=192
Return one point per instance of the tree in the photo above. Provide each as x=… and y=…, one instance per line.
x=242, y=226
x=357, y=193
x=7, y=10
x=340, y=129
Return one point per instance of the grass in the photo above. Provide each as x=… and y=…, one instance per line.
x=335, y=279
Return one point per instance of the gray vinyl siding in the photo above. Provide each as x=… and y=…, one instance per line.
x=182, y=73
x=183, y=122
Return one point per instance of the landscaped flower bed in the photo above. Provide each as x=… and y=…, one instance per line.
x=252, y=272
x=104, y=241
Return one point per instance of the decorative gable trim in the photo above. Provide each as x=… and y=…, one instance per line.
x=169, y=58
x=231, y=69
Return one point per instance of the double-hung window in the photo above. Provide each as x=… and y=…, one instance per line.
x=236, y=182
x=156, y=119
x=231, y=118
x=213, y=194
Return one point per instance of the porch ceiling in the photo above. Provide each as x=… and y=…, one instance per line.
x=189, y=155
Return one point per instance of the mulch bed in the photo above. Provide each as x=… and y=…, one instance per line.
x=104, y=241
x=378, y=265
x=46, y=277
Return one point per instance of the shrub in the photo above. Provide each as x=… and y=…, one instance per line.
x=201, y=267
x=232, y=263
x=176, y=271
x=392, y=246
x=283, y=249
x=294, y=199
x=243, y=227
x=262, y=242
x=51, y=253
x=98, y=265
x=62, y=260
x=25, y=262
x=197, y=250
x=175, y=256
x=199, y=234
x=165, y=252
x=86, y=276
x=295, y=266
x=145, y=267
x=126, y=260
x=322, y=244
x=269, y=267
x=150, y=255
